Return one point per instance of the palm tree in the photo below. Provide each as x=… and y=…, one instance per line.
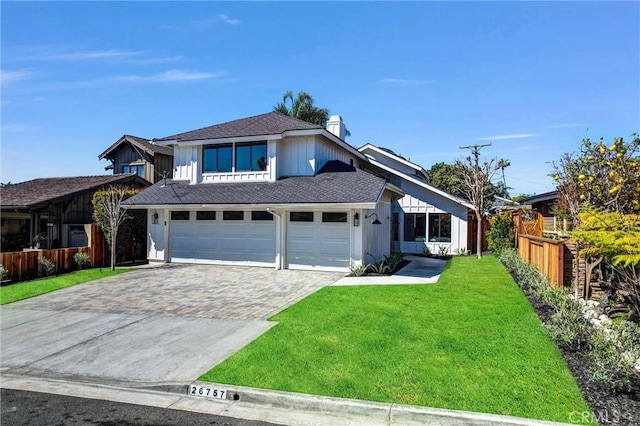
x=302, y=108
x=503, y=164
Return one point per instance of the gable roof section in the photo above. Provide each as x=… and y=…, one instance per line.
x=547, y=196
x=335, y=183
x=422, y=184
x=271, y=123
x=36, y=193
x=140, y=143
x=390, y=154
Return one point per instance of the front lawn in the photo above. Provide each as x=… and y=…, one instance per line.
x=27, y=289
x=471, y=342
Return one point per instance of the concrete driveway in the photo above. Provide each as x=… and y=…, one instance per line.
x=159, y=326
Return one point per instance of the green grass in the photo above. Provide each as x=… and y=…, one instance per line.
x=471, y=342
x=24, y=290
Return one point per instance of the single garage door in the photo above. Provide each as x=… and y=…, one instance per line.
x=319, y=240
x=223, y=237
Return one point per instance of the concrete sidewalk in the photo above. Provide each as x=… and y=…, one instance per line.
x=420, y=270
x=271, y=406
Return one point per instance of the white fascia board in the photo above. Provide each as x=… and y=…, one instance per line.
x=165, y=143
x=401, y=193
x=424, y=185
x=300, y=206
x=394, y=157
x=273, y=137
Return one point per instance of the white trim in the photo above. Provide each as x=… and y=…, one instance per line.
x=297, y=206
x=392, y=156
x=219, y=262
x=278, y=136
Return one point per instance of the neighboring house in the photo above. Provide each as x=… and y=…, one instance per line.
x=426, y=217
x=131, y=154
x=53, y=212
x=543, y=204
x=269, y=190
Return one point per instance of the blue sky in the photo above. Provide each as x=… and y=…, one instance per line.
x=423, y=79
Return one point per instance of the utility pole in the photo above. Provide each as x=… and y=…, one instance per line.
x=476, y=184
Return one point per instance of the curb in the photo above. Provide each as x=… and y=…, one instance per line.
x=287, y=408
x=358, y=411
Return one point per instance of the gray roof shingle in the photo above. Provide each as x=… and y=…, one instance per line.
x=336, y=182
x=36, y=192
x=271, y=123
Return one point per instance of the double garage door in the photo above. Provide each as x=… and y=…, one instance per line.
x=313, y=239
x=218, y=237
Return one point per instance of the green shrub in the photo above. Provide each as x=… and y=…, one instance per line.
x=3, y=272
x=381, y=267
x=45, y=267
x=81, y=259
x=568, y=327
x=358, y=269
x=615, y=356
x=394, y=260
x=426, y=251
x=501, y=234
x=443, y=250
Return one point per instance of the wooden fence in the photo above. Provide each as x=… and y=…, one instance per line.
x=23, y=265
x=547, y=255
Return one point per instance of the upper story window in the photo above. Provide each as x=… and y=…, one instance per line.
x=137, y=169
x=251, y=156
x=217, y=158
x=239, y=157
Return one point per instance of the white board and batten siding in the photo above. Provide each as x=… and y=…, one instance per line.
x=186, y=161
x=157, y=234
x=422, y=200
x=376, y=237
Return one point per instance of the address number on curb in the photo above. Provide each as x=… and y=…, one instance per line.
x=207, y=391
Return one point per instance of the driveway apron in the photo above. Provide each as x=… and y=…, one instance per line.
x=151, y=327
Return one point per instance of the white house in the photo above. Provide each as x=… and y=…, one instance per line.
x=268, y=190
x=426, y=217
x=272, y=190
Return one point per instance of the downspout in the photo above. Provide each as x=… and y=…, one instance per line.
x=279, y=253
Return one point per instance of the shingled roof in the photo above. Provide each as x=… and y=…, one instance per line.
x=336, y=182
x=271, y=123
x=36, y=193
x=141, y=143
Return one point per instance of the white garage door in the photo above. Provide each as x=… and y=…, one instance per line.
x=318, y=240
x=223, y=237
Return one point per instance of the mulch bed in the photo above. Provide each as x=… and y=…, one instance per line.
x=609, y=407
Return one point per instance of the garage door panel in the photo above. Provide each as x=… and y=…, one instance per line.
x=318, y=244
x=227, y=241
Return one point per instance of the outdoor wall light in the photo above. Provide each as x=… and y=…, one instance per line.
x=154, y=219
x=356, y=219
x=376, y=221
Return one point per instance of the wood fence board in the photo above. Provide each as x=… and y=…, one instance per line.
x=23, y=265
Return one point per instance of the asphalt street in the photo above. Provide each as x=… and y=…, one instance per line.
x=34, y=409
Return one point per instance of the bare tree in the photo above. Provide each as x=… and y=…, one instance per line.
x=477, y=178
x=109, y=213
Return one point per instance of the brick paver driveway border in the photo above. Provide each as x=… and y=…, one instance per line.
x=204, y=291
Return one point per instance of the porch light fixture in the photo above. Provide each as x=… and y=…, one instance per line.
x=154, y=219
x=356, y=219
x=376, y=221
